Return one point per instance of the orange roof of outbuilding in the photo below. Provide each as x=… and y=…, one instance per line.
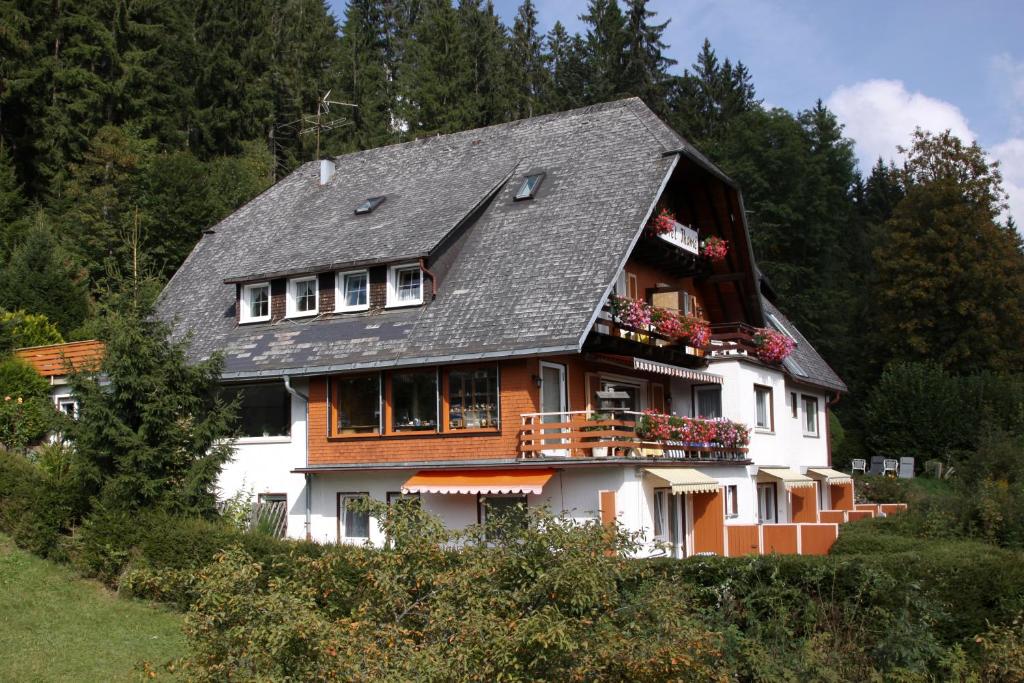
x=53, y=360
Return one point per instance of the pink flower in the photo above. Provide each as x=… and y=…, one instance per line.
x=772, y=346
x=662, y=224
x=714, y=249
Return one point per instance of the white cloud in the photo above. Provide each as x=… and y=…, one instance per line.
x=880, y=115
x=1009, y=77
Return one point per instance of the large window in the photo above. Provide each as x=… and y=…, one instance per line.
x=810, y=415
x=473, y=398
x=765, y=410
x=708, y=401
x=255, y=304
x=414, y=401
x=302, y=296
x=766, y=508
x=355, y=404
x=660, y=514
x=405, y=285
x=264, y=409
x=353, y=292
x=352, y=524
x=502, y=513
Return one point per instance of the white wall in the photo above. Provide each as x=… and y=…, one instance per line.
x=264, y=465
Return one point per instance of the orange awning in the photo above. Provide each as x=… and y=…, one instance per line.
x=478, y=481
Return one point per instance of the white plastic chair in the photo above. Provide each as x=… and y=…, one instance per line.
x=859, y=465
x=890, y=466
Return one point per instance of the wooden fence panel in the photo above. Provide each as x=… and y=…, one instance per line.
x=854, y=515
x=780, y=538
x=832, y=516
x=842, y=496
x=804, y=504
x=892, y=508
x=708, y=522
x=743, y=539
x=817, y=539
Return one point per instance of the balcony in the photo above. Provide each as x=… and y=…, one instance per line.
x=613, y=333
x=591, y=435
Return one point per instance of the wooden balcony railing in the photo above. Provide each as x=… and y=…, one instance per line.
x=576, y=434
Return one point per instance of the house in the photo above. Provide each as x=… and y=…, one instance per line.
x=466, y=319
x=54, y=362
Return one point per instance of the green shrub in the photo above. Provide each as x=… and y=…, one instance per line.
x=19, y=379
x=26, y=422
x=33, y=508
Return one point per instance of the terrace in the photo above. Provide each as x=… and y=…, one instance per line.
x=619, y=434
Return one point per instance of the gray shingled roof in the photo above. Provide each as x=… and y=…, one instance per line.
x=805, y=364
x=529, y=275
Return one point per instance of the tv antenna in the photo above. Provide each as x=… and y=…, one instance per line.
x=316, y=123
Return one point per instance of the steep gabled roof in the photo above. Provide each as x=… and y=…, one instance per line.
x=528, y=277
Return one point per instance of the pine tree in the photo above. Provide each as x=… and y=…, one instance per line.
x=530, y=79
x=12, y=203
x=484, y=44
x=363, y=74
x=153, y=432
x=566, y=60
x=645, y=69
x=41, y=277
x=606, y=45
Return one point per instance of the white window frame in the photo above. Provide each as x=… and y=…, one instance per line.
x=769, y=393
x=245, y=309
x=64, y=399
x=393, y=271
x=343, y=500
x=732, y=508
x=803, y=414
x=661, y=509
x=767, y=514
x=339, y=292
x=292, y=305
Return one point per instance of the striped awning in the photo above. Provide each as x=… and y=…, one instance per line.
x=657, y=368
x=791, y=478
x=829, y=475
x=478, y=481
x=683, y=479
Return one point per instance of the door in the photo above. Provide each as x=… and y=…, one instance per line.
x=677, y=527
x=767, y=510
x=553, y=402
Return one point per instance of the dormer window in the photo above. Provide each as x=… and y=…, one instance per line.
x=255, y=303
x=405, y=285
x=370, y=204
x=302, y=297
x=529, y=187
x=353, y=291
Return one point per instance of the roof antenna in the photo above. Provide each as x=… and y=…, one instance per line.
x=315, y=123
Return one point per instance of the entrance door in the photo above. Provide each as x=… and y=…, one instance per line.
x=553, y=402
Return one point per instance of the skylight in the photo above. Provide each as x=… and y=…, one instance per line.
x=370, y=204
x=529, y=187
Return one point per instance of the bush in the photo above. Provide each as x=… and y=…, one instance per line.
x=26, y=422
x=18, y=379
x=33, y=508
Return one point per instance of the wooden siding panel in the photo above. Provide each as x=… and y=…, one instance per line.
x=832, y=516
x=854, y=515
x=780, y=538
x=817, y=539
x=607, y=507
x=842, y=496
x=708, y=522
x=743, y=539
x=804, y=504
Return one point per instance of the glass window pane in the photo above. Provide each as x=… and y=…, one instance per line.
x=355, y=289
x=811, y=415
x=408, y=284
x=761, y=396
x=504, y=512
x=709, y=402
x=414, y=400
x=259, y=302
x=264, y=409
x=659, y=513
x=357, y=523
x=473, y=398
x=356, y=404
x=305, y=296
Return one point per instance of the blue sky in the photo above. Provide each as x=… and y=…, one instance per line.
x=883, y=67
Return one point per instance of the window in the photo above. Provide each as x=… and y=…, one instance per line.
x=660, y=513
x=400, y=498
x=68, y=406
x=414, y=401
x=405, y=286
x=255, y=305
x=352, y=524
x=793, y=408
x=264, y=410
x=731, y=501
x=501, y=512
x=355, y=404
x=765, y=418
x=370, y=204
x=473, y=398
x=270, y=514
x=302, y=296
x=766, y=511
x=708, y=401
x=529, y=187
x=810, y=416
x=353, y=291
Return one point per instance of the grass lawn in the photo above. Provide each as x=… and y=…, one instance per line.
x=55, y=626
